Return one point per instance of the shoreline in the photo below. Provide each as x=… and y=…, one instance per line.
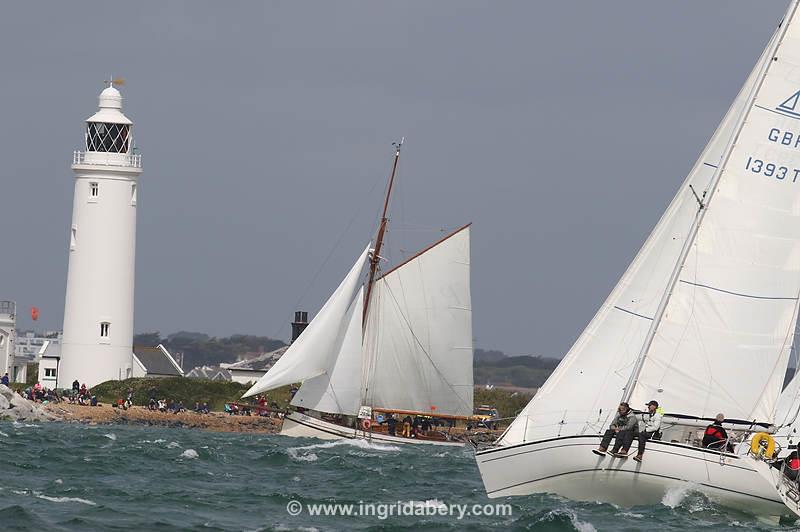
x=138, y=415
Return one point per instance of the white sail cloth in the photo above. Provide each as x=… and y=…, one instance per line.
x=581, y=395
x=317, y=349
x=418, y=340
x=726, y=336
x=338, y=390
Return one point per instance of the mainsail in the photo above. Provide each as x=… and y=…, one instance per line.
x=418, y=338
x=317, y=349
x=714, y=288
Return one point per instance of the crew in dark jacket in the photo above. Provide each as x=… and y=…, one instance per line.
x=623, y=428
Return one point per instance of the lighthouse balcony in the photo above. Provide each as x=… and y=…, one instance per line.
x=93, y=158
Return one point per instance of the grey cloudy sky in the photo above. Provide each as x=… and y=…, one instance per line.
x=561, y=129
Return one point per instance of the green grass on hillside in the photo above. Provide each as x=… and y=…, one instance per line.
x=188, y=391
x=508, y=403
x=217, y=393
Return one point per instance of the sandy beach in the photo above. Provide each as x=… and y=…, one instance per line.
x=138, y=415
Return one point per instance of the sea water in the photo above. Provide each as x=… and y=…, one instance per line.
x=59, y=476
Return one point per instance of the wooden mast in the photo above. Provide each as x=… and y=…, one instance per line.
x=376, y=253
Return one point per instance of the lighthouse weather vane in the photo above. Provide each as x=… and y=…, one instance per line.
x=111, y=81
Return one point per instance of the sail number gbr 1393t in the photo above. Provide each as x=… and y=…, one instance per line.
x=758, y=166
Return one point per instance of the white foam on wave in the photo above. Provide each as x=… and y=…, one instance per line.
x=111, y=436
x=189, y=453
x=580, y=526
x=356, y=442
x=172, y=444
x=18, y=425
x=3, y=434
x=306, y=457
x=58, y=481
x=152, y=441
x=64, y=499
x=675, y=495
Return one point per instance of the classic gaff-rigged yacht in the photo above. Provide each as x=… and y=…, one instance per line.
x=399, y=342
x=702, y=321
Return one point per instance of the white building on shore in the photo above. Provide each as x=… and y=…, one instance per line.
x=8, y=332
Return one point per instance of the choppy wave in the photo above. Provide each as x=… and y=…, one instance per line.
x=76, y=480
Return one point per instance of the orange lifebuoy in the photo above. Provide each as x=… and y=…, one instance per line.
x=366, y=424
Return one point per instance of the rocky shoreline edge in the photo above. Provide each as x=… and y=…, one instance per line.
x=14, y=407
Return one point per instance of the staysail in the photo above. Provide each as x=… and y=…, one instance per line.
x=705, y=335
x=338, y=390
x=317, y=349
x=418, y=336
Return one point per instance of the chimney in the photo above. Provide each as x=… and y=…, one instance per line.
x=299, y=324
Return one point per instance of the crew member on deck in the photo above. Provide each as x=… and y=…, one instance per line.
x=715, y=434
x=790, y=464
x=649, y=424
x=623, y=428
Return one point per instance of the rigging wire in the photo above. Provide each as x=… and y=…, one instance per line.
x=329, y=255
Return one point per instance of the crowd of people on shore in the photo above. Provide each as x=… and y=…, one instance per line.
x=78, y=394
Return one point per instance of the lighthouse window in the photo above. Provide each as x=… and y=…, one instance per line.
x=106, y=137
x=2, y=339
x=94, y=190
x=105, y=329
x=73, y=237
x=49, y=372
x=133, y=193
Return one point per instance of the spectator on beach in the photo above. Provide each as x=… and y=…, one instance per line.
x=153, y=404
x=5, y=380
x=76, y=386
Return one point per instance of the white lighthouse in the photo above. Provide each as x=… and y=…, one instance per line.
x=98, y=310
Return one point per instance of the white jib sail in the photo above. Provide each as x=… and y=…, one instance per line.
x=581, y=394
x=418, y=339
x=315, y=351
x=338, y=390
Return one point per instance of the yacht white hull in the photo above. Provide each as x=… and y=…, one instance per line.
x=567, y=467
x=302, y=426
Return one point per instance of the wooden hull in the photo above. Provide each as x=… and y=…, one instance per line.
x=302, y=426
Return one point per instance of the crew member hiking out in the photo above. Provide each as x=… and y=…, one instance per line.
x=623, y=428
x=649, y=424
